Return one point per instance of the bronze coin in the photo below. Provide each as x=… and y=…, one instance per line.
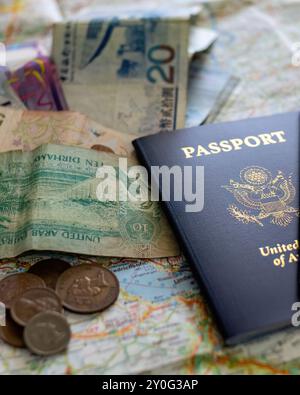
x=47, y=333
x=13, y=286
x=87, y=288
x=34, y=301
x=49, y=270
x=12, y=333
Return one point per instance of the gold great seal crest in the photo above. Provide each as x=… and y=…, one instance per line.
x=266, y=196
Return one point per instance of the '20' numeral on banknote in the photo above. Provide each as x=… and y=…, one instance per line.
x=161, y=56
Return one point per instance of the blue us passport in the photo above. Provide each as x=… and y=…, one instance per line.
x=241, y=234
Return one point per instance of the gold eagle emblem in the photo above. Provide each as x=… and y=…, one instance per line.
x=266, y=197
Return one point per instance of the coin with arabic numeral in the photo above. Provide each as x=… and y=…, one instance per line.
x=13, y=286
x=34, y=301
x=12, y=333
x=47, y=333
x=49, y=270
x=87, y=288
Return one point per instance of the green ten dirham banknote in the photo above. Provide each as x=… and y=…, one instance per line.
x=129, y=75
x=48, y=201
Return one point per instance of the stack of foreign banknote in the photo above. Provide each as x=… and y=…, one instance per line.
x=107, y=81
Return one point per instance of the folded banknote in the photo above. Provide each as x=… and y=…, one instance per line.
x=26, y=130
x=130, y=75
x=38, y=86
x=49, y=201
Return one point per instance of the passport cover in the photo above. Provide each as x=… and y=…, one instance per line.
x=243, y=245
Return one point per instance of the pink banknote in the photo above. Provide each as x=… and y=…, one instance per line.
x=37, y=84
